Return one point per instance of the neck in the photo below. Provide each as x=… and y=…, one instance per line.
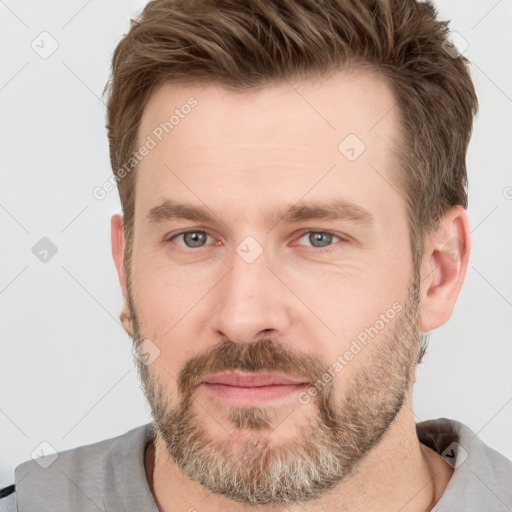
x=398, y=474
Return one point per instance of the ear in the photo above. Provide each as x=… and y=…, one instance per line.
x=444, y=267
x=118, y=243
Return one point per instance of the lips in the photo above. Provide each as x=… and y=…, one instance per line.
x=251, y=380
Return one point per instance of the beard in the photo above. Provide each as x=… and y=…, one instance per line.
x=326, y=448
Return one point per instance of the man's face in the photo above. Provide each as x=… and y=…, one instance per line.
x=327, y=301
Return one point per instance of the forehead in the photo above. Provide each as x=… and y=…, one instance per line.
x=357, y=100
x=289, y=134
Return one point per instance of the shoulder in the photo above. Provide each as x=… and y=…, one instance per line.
x=8, y=499
x=85, y=456
x=81, y=474
x=453, y=439
x=482, y=476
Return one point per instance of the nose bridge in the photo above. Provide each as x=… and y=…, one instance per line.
x=249, y=298
x=249, y=273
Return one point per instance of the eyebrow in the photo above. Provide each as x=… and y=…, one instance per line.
x=337, y=209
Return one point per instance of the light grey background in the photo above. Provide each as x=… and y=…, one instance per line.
x=66, y=370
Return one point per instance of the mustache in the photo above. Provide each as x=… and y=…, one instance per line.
x=267, y=356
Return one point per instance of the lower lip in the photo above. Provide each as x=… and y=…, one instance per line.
x=241, y=394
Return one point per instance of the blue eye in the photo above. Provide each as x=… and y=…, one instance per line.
x=320, y=239
x=196, y=239
x=192, y=239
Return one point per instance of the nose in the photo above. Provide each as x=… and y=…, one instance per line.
x=251, y=303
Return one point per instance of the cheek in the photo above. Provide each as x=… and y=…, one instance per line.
x=167, y=304
x=356, y=309
x=347, y=297
x=164, y=292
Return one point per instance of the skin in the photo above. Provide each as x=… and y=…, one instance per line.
x=243, y=155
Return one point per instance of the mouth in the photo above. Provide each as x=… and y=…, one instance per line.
x=250, y=380
x=251, y=388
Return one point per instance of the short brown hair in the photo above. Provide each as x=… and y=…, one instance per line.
x=254, y=43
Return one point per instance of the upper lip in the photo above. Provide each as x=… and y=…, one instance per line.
x=249, y=380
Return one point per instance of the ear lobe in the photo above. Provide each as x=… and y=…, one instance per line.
x=444, y=267
x=118, y=246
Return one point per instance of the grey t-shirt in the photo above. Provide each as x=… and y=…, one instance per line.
x=110, y=475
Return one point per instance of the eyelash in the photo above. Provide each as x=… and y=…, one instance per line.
x=316, y=249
